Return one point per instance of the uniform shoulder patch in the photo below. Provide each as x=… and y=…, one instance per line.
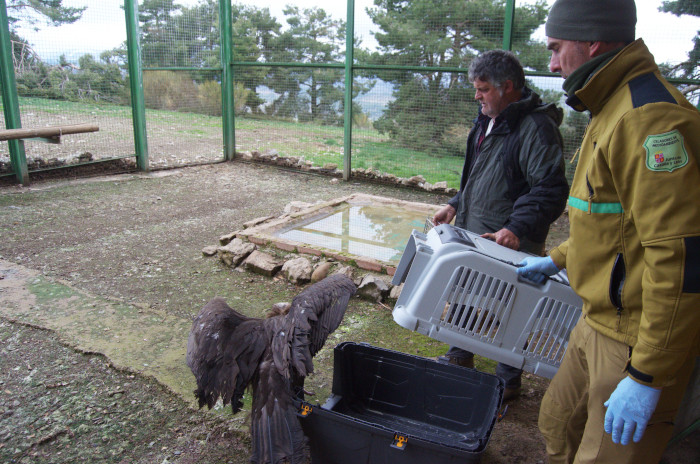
x=665, y=152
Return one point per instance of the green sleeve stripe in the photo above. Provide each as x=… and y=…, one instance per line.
x=602, y=208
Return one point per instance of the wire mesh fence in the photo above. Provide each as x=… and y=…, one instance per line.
x=412, y=103
x=61, y=81
x=181, y=81
x=183, y=118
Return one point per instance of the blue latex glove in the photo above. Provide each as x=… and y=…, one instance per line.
x=629, y=409
x=537, y=269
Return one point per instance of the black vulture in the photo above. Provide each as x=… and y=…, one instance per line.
x=228, y=352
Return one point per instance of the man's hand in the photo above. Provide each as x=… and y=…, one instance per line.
x=537, y=269
x=444, y=215
x=629, y=409
x=505, y=238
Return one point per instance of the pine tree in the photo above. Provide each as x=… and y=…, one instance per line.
x=427, y=104
x=34, y=12
x=689, y=69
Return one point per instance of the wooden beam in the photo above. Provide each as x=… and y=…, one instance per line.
x=46, y=132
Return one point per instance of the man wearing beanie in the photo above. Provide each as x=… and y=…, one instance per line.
x=633, y=252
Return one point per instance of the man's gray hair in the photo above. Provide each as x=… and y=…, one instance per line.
x=496, y=67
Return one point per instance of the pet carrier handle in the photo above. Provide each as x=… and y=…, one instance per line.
x=554, y=278
x=525, y=280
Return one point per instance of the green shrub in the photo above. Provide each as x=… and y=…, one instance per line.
x=361, y=120
x=455, y=139
x=168, y=90
x=209, y=93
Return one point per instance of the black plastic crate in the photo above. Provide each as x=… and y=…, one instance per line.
x=394, y=408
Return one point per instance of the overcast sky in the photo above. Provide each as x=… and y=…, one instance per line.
x=102, y=27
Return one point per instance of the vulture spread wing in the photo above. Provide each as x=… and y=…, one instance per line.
x=315, y=313
x=223, y=352
x=227, y=351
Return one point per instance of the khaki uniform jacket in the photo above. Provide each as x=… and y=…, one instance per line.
x=633, y=254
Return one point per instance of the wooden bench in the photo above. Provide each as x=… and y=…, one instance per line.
x=51, y=134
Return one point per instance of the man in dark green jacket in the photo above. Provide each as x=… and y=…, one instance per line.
x=513, y=184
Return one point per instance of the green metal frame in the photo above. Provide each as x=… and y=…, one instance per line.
x=227, y=108
x=349, y=66
x=138, y=106
x=10, y=99
x=508, y=25
x=349, y=61
x=227, y=69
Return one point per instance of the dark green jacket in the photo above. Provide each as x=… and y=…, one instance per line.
x=517, y=180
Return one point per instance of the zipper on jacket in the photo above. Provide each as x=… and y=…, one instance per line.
x=573, y=158
x=617, y=281
x=590, y=195
x=578, y=150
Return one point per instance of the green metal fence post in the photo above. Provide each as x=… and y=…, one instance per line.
x=349, y=62
x=10, y=99
x=138, y=107
x=508, y=25
x=227, y=103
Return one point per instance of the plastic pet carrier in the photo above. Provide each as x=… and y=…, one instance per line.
x=464, y=290
x=388, y=407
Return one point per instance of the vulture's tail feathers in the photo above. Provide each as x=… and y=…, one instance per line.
x=277, y=435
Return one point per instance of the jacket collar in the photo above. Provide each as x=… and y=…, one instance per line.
x=511, y=115
x=582, y=75
x=630, y=62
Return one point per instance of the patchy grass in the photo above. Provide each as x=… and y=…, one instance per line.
x=59, y=406
x=385, y=156
x=172, y=133
x=131, y=245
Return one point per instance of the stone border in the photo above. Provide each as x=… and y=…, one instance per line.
x=263, y=231
x=257, y=249
x=273, y=157
x=299, y=268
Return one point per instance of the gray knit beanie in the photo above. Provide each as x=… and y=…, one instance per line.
x=592, y=20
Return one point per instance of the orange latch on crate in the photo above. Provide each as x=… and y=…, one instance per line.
x=399, y=441
x=305, y=409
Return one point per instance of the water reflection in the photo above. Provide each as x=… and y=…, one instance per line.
x=378, y=232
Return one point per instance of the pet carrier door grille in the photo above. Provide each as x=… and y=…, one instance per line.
x=546, y=334
x=476, y=303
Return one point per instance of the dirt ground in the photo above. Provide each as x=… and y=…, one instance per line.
x=99, y=280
